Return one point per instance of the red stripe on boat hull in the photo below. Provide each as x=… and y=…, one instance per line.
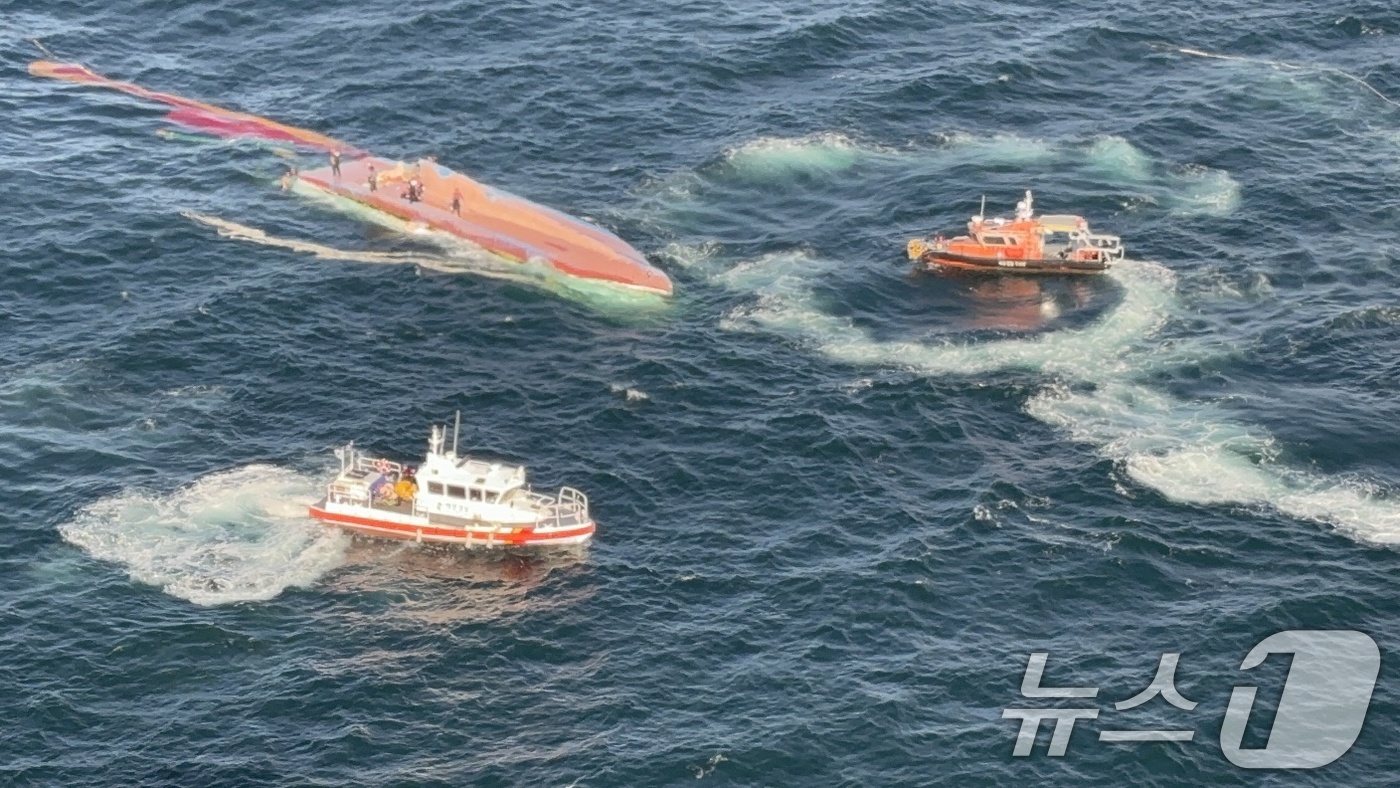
x=430, y=533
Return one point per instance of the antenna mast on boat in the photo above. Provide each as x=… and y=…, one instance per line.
x=982, y=212
x=456, y=431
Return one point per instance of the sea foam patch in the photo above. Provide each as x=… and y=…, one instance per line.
x=1188, y=452
x=236, y=536
x=777, y=158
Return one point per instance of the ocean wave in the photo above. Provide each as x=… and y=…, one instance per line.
x=1369, y=317
x=1359, y=27
x=236, y=536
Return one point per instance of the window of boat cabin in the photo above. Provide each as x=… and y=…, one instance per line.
x=491, y=497
x=435, y=488
x=993, y=240
x=476, y=494
x=456, y=492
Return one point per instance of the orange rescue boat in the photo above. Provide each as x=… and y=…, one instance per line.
x=1026, y=244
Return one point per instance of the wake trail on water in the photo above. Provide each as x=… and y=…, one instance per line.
x=236, y=536
x=1188, y=452
x=444, y=264
x=1282, y=64
x=456, y=257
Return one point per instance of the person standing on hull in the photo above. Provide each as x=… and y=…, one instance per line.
x=373, y=179
x=335, y=164
x=457, y=202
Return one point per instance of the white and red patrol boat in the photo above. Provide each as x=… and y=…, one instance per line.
x=450, y=500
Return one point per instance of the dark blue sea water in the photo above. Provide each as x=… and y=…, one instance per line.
x=840, y=504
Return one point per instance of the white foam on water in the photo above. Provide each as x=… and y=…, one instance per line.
x=700, y=255
x=1191, y=190
x=1368, y=316
x=1187, y=191
x=1191, y=454
x=1120, y=159
x=995, y=148
x=777, y=158
x=1187, y=451
x=455, y=256
x=235, y=536
x=785, y=303
x=628, y=392
x=1197, y=190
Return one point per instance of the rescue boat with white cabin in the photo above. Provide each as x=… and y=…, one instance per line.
x=1026, y=244
x=450, y=499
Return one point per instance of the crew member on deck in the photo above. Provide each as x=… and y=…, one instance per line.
x=457, y=201
x=405, y=489
x=373, y=179
x=335, y=163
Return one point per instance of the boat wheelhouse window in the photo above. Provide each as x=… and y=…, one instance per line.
x=435, y=488
x=993, y=240
x=476, y=494
x=456, y=492
x=491, y=497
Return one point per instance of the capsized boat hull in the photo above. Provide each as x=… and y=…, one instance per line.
x=195, y=114
x=503, y=224
x=939, y=261
x=390, y=525
x=506, y=225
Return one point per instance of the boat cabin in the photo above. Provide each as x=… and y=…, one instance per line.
x=468, y=488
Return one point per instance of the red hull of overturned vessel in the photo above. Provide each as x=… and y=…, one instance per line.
x=506, y=225
x=502, y=223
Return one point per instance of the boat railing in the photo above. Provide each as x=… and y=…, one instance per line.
x=1104, y=247
x=1109, y=246
x=349, y=493
x=570, y=508
x=352, y=459
x=355, y=462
